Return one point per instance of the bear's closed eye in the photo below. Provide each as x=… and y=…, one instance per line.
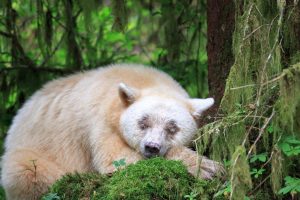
x=172, y=127
x=144, y=122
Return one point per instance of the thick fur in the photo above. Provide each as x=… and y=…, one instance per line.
x=73, y=124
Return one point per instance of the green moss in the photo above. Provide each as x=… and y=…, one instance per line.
x=285, y=123
x=77, y=186
x=155, y=178
x=146, y=180
x=289, y=102
x=240, y=177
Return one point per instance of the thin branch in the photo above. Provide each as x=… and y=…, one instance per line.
x=260, y=184
x=245, y=38
x=5, y=34
x=53, y=52
x=243, y=86
x=262, y=130
x=263, y=84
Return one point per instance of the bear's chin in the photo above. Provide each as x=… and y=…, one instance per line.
x=149, y=155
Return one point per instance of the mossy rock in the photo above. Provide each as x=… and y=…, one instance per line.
x=155, y=178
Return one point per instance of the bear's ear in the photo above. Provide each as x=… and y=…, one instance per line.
x=127, y=94
x=200, y=105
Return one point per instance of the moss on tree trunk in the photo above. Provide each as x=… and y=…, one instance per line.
x=260, y=107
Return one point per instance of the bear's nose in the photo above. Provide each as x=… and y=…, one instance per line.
x=152, y=148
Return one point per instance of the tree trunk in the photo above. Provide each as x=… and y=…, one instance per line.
x=220, y=22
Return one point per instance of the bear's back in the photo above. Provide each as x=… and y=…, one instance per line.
x=139, y=77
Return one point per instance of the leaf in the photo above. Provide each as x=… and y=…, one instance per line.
x=253, y=171
x=116, y=164
x=122, y=162
x=253, y=159
x=285, y=190
x=227, y=189
x=292, y=140
x=285, y=147
x=291, y=185
x=227, y=163
x=51, y=196
x=261, y=157
x=270, y=129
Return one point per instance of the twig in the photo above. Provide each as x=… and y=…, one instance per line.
x=261, y=132
x=263, y=84
x=244, y=86
x=53, y=52
x=259, y=184
x=269, y=160
x=245, y=38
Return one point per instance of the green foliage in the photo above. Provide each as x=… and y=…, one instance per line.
x=191, y=196
x=292, y=185
x=290, y=146
x=225, y=191
x=154, y=178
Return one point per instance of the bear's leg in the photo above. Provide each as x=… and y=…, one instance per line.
x=27, y=174
x=113, y=149
x=196, y=165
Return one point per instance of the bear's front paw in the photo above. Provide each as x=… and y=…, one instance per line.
x=109, y=170
x=196, y=165
x=208, y=168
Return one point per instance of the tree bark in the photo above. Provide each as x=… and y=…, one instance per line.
x=220, y=22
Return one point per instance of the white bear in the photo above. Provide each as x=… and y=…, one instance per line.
x=84, y=122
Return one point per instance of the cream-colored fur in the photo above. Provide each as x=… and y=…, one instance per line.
x=73, y=124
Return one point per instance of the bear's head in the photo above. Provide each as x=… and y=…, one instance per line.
x=151, y=124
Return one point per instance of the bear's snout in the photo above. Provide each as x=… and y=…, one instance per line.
x=152, y=149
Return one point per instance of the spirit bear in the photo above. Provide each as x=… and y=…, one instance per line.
x=84, y=122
